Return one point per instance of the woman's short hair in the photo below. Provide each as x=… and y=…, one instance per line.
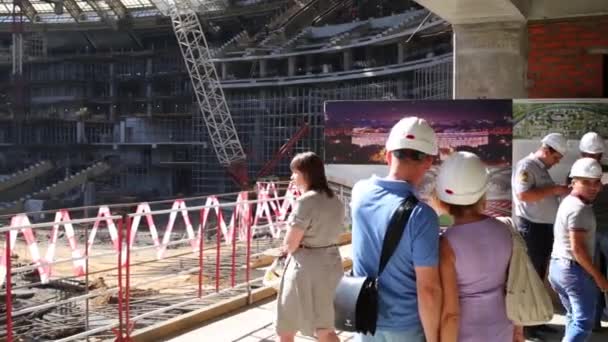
x=311, y=166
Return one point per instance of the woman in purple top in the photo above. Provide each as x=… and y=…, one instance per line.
x=474, y=256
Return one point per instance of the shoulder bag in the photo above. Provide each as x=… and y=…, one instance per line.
x=356, y=298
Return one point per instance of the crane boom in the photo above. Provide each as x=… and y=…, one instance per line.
x=213, y=108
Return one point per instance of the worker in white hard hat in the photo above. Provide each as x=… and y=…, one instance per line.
x=409, y=287
x=572, y=273
x=474, y=255
x=535, y=203
x=592, y=146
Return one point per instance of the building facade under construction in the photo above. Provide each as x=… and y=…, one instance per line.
x=98, y=104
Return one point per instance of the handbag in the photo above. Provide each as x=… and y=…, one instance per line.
x=274, y=273
x=356, y=298
x=527, y=299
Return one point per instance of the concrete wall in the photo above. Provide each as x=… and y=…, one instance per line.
x=563, y=61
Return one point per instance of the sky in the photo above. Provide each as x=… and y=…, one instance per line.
x=437, y=111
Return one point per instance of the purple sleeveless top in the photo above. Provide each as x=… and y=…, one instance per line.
x=482, y=250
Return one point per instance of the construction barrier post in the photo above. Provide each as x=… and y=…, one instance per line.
x=201, y=237
x=9, y=291
x=128, y=280
x=120, y=279
x=248, y=257
x=233, y=263
x=218, y=254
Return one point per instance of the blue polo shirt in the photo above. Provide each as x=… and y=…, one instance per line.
x=373, y=203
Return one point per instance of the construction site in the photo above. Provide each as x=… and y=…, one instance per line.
x=102, y=93
x=110, y=108
x=145, y=144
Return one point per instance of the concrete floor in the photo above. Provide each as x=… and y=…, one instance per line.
x=255, y=325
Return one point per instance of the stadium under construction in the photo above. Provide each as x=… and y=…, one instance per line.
x=101, y=103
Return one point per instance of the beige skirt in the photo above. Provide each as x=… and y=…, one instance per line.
x=306, y=294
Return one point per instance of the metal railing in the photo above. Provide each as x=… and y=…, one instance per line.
x=131, y=279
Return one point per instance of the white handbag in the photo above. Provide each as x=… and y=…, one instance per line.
x=527, y=299
x=274, y=273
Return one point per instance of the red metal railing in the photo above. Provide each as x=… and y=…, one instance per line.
x=135, y=263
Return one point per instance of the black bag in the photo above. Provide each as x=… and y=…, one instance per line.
x=356, y=298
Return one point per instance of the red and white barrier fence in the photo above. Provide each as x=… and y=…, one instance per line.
x=271, y=210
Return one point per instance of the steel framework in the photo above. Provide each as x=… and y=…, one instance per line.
x=213, y=108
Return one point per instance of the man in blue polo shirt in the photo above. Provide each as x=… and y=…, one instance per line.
x=409, y=288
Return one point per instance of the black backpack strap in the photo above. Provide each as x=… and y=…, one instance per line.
x=395, y=230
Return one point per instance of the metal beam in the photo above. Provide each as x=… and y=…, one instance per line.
x=28, y=10
x=102, y=14
x=119, y=8
x=135, y=38
x=75, y=11
x=89, y=40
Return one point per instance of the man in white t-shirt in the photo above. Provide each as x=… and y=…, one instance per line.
x=592, y=146
x=572, y=273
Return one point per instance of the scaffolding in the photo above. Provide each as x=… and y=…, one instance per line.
x=139, y=107
x=267, y=118
x=434, y=82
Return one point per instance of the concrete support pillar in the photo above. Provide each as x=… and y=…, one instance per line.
x=490, y=60
x=89, y=199
x=291, y=66
x=308, y=63
x=224, y=73
x=263, y=67
x=368, y=55
x=347, y=59
x=45, y=44
x=149, y=67
x=112, y=92
x=149, y=97
x=401, y=49
x=123, y=132
x=80, y=136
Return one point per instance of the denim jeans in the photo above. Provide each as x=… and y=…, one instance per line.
x=601, y=260
x=578, y=294
x=416, y=335
x=539, y=241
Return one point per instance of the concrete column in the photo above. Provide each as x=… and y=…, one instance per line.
x=263, y=67
x=368, y=55
x=45, y=44
x=149, y=66
x=112, y=92
x=123, y=132
x=308, y=65
x=401, y=52
x=347, y=59
x=224, y=70
x=89, y=198
x=80, y=136
x=291, y=66
x=149, y=97
x=490, y=60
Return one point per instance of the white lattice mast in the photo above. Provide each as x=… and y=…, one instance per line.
x=213, y=108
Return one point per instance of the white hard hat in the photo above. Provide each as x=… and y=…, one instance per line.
x=412, y=133
x=462, y=180
x=557, y=142
x=591, y=143
x=586, y=168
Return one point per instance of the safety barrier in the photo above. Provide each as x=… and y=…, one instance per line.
x=139, y=277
